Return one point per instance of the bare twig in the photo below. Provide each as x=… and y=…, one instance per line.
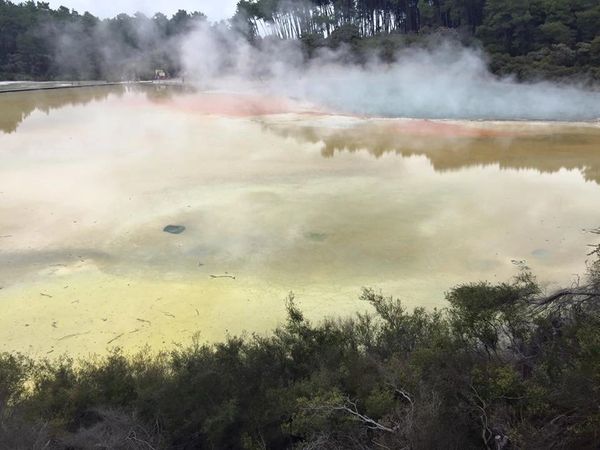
x=589, y=294
x=115, y=338
x=69, y=336
x=380, y=445
x=133, y=437
x=486, y=433
x=403, y=393
x=351, y=408
x=222, y=276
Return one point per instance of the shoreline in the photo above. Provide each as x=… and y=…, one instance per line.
x=304, y=106
x=27, y=86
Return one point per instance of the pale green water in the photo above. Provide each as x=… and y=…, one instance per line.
x=276, y=197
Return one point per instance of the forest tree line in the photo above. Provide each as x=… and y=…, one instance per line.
x=41, y=43
x=513, y=26
x=527, y=38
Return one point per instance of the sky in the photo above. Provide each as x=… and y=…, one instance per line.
x=214, y=9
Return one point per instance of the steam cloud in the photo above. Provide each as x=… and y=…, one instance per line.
x=447, y=82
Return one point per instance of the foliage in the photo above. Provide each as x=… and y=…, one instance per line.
x=38, y=42
x=528, y=38
x=504, y=366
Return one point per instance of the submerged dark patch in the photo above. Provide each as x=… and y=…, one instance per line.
x=316, y=237
x=174, y=229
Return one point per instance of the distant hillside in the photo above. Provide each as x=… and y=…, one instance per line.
x=527, y=38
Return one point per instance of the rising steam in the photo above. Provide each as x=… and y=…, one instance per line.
x=446, y=81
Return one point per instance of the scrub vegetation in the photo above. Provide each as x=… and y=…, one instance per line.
x=530, y=39
x=503, y=366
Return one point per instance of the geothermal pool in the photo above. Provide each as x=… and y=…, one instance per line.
x=275, y=196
